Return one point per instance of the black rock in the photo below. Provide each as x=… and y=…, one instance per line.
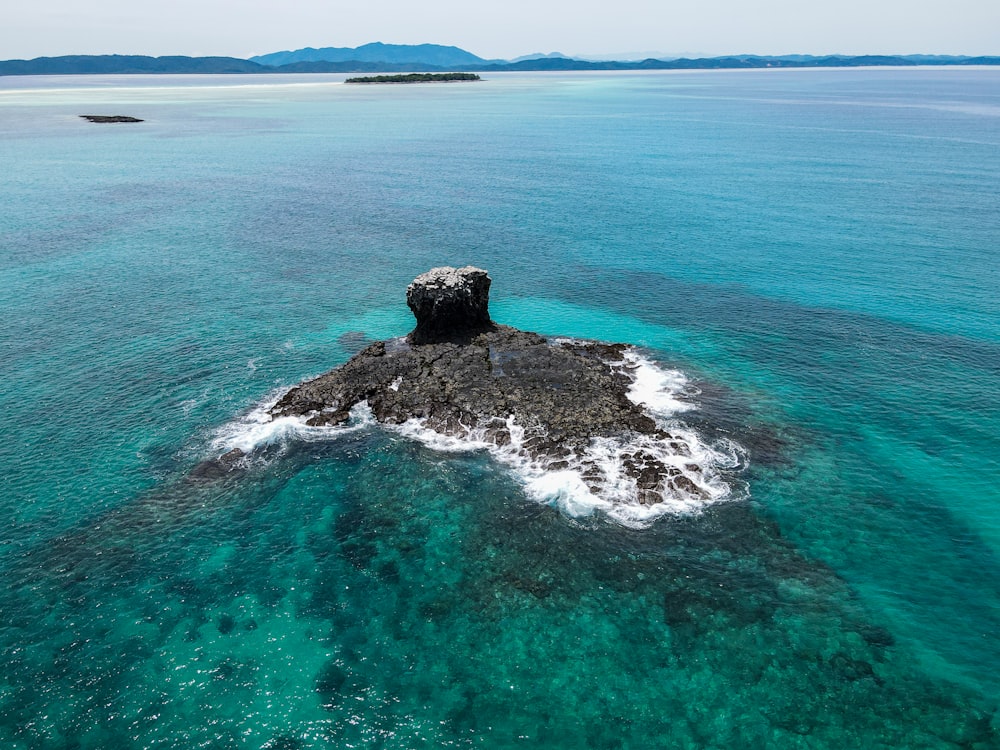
x=561, y=392
x=545, y=400
x=449, y=303
x=110, y=118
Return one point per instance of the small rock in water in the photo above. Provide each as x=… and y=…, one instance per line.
x=110, y=118
x=557, y=403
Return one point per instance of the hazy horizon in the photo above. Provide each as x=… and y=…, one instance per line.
x=587, y=56
x=583, y=29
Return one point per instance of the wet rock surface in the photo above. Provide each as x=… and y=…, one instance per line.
x=459, y=374
x=562, y=392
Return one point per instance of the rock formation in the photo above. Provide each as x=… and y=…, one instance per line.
x=109, y=119
x=450, y=304
x=555, y=404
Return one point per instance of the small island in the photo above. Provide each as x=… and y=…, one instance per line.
x=416, y=78
x=559, y=410
x=109, y=118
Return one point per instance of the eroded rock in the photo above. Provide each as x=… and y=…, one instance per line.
x=449, y=304
x=553, y=404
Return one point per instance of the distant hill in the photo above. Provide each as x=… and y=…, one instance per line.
x=401, y=54
x=538, y=56
x=736, y=62
x=116, y=64
x=356, y=66
x=403, y=58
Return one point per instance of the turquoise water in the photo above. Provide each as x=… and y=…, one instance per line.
x=816, y=250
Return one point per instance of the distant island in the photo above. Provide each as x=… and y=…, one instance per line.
x=415, y=55
x=416, y=78
x=436, y=58
x=107, y=119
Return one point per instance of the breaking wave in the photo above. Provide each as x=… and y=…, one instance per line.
x=258, y=429
x=600, y=477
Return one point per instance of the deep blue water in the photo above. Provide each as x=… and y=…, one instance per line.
x=816, y=250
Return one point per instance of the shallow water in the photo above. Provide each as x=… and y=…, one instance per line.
x=815, y=250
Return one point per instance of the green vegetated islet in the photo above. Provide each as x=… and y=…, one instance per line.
x=416, y=78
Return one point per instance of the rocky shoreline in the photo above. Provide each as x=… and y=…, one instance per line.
x=559, y=405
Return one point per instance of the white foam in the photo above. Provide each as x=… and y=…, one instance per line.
x=596, y=478
x=258, y=428
x=655, y=388
x=416, y=429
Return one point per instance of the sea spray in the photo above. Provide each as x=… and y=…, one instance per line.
x=257, y=429
x=596, y=477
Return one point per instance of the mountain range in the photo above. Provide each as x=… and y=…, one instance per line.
x=406, y=54
x=379, y=57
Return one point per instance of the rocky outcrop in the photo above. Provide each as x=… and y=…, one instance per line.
x=562, y=392
x=548, y=401
x=106, y=119
x=450, y=304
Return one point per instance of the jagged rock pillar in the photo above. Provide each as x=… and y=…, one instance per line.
x=449, y=304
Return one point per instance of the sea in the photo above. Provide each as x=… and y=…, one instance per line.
x=806, y=262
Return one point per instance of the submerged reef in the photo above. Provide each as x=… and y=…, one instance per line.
x=554, y=407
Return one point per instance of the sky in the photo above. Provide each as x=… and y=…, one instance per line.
x=506, y=29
